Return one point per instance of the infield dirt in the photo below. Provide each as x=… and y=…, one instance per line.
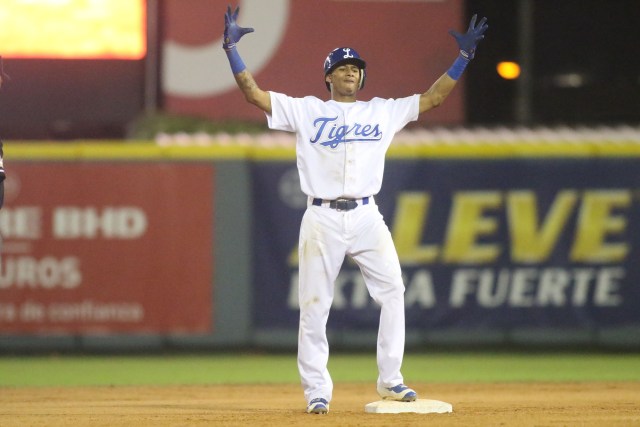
x=504, y=404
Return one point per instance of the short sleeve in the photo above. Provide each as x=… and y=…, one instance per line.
x=282, y=113
x=404, y=110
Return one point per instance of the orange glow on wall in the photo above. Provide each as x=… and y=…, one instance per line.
x=508, y=70
x=73, y=29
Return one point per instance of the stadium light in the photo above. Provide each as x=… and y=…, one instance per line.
x=508, y=70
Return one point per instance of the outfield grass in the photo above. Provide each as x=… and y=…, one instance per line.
x=250, y=368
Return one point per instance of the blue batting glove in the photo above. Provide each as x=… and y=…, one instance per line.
x=232, y=31
x=469, y=41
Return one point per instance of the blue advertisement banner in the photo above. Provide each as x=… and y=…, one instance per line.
x=492, y=244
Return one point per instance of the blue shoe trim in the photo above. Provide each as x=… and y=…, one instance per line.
x=318, y=406
x=409, y=396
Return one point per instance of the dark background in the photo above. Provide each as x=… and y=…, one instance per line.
x=595, y=39
x=62, y=99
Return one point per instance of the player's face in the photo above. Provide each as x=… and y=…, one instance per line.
x=345, y=80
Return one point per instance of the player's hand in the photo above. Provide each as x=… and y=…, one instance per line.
x=232, y=31
x=469, y=41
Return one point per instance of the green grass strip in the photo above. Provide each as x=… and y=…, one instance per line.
x=252, y=369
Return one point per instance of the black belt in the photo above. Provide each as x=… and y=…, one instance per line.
x=341, y=204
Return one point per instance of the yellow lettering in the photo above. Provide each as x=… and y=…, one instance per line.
x=530, y=243
x=596, y=222
x=467, y=224
x=292, y=259
x=408, y=226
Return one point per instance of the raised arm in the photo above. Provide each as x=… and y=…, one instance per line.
x=232, y=34
x=467, y=44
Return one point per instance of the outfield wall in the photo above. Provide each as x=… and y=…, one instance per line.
x=140, y=246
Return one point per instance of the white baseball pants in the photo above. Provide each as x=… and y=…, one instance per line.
x=326, y=236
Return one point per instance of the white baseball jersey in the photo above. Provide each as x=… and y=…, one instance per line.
x=341, y=149
x=341, y=146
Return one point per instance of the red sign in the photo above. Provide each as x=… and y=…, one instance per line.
x=107, y=248
x=405, y=43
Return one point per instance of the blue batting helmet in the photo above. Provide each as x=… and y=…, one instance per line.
x=344, y=55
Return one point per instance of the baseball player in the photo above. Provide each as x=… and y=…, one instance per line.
x=340, y=149
x=3, y=77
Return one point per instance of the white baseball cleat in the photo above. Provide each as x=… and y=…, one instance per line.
x=318, y=406
x=400, y=393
